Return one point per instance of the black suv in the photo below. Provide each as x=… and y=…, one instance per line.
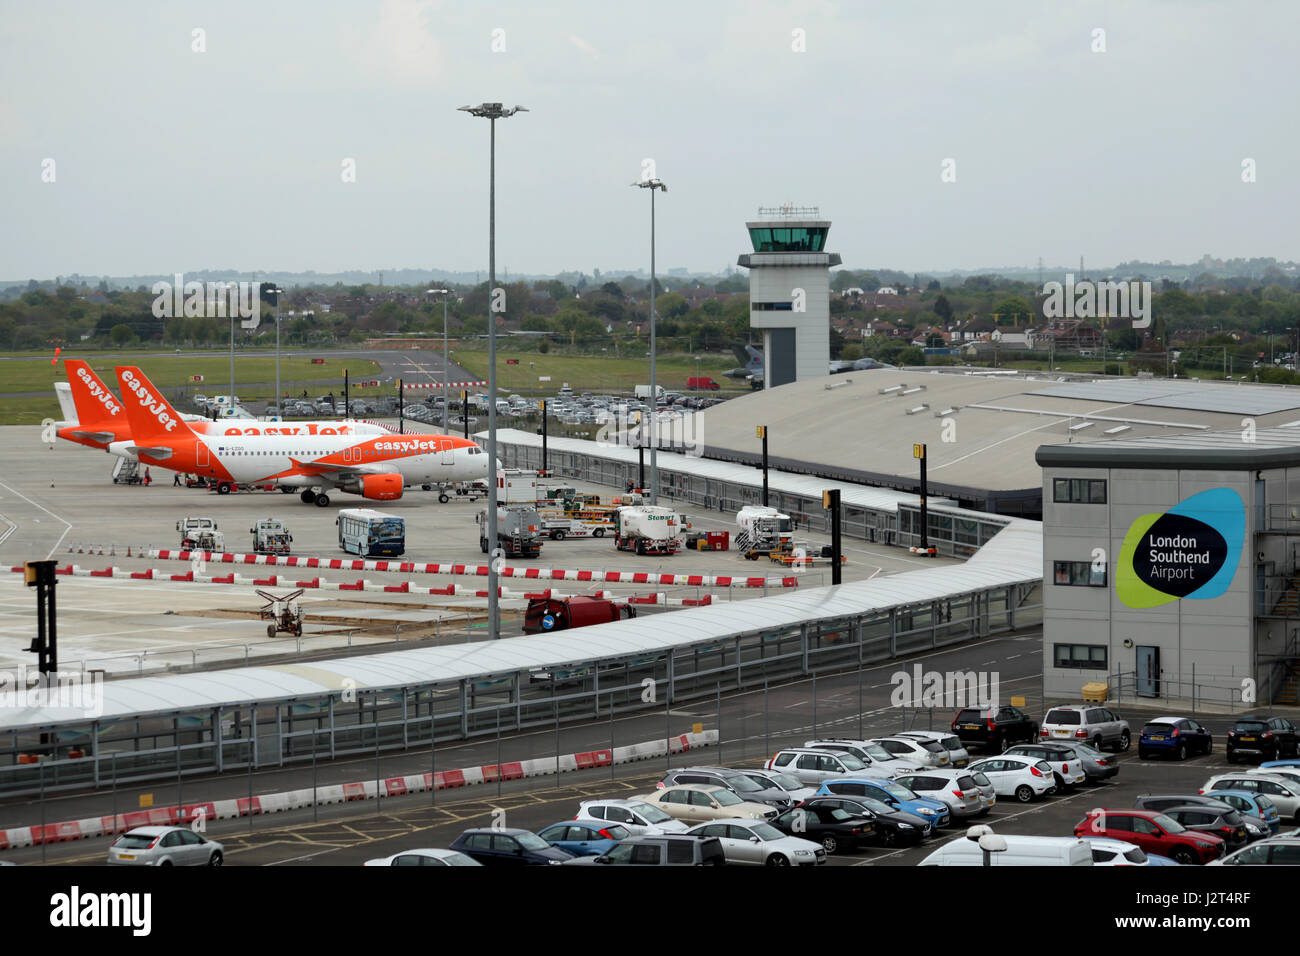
x=1267, y=738
x=995, y=729
x=669, y=849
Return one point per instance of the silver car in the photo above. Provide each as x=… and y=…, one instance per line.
x=641, y=819
x=757, y=843
x=958, y=755
x=875, y=757
x=812, y=766
x=787, y=782
x=960, y=789
x=927, y=753
x=1087, y=724
x=165, y=846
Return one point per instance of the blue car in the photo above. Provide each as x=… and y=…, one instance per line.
x=584, y=839
x=1155, y=860
x=1287, y=762
x=892, y=794
x=1181, y=737
x=1253, y=803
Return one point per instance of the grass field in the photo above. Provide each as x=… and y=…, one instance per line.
x=169, y=372
x=33, y=375
x=591, y=373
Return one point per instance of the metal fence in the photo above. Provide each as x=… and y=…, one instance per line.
x=293, y=731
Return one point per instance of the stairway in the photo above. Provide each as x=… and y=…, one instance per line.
x=744, y=542
x=1289, y=691
x=1288, y=605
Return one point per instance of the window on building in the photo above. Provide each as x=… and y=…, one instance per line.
x=1078, y=574
x=1080, y=656
x=1085, y=491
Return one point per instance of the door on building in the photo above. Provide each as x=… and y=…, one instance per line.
x=1148, y=671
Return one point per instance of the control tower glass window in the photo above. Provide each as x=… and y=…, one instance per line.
x=788, y=239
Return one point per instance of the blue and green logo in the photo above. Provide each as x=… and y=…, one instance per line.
x=1189, y=551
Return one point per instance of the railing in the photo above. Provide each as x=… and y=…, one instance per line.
x=1215, y=694
x=327, y=726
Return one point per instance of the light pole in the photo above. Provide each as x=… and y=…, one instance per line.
x=446, y=362
x=492, y=112
x=653, y=185
x=279, y=410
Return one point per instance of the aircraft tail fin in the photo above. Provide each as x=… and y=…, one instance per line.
x=96, y=405
x=151, y=416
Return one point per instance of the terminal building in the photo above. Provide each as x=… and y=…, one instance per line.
x=1170, y=567
x=789, y=292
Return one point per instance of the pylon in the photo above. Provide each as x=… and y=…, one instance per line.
x=128, y=551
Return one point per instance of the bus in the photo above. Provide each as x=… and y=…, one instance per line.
x=366, y=533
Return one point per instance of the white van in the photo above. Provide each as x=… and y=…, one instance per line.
x=1020, y=851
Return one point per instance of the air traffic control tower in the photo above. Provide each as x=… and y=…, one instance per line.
x=789, y=292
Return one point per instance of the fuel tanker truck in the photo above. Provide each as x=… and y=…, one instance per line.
x=647, y=529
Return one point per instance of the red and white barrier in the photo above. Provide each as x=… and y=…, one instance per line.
x=406, y=587
x=192, y=813
x=661, y=579
x=372, y=384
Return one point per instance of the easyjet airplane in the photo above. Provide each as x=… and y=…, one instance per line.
x=100, y=420
x=375, y=467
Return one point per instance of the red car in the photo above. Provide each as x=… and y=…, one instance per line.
x=1154, y=833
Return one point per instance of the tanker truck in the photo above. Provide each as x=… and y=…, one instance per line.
x=519, y=531
x=647, y=529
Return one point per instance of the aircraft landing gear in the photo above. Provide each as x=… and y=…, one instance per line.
x=308, y=496
x=322, y=500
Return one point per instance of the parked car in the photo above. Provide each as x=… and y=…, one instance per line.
x=1290, y=773
x=1024, y=778
x=891, y=793
x=1020, y=851
x=788, y=782
x=738, y=782
x=1069, y=772
x=875, y=758
x=584, y=839
x=961, y=790
x=1153, y=832
x=811, y=766
x=1088, y=723
x=640, y=818
x=893, y=827
x=664, y=849
x=1226, y=823
x=1107, y=852
x=425, y=857
x=1181, y=737
x=1285, y=762
x=698, y=803
x=958, y=755
x=834, y=828
x=508, y=847
x=1266, y=738
x=1096, y=765
x=165, y=846
x=927, y=753
x=757, y=843
x=1280, y=851
x=1257, y=826
x=994, y=728
x=1283, y=792
x=1252, y=802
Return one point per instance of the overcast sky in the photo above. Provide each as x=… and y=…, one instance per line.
x=167, y=160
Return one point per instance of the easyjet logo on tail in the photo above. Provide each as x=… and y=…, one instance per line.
x=99, y=393
x=148, y=400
